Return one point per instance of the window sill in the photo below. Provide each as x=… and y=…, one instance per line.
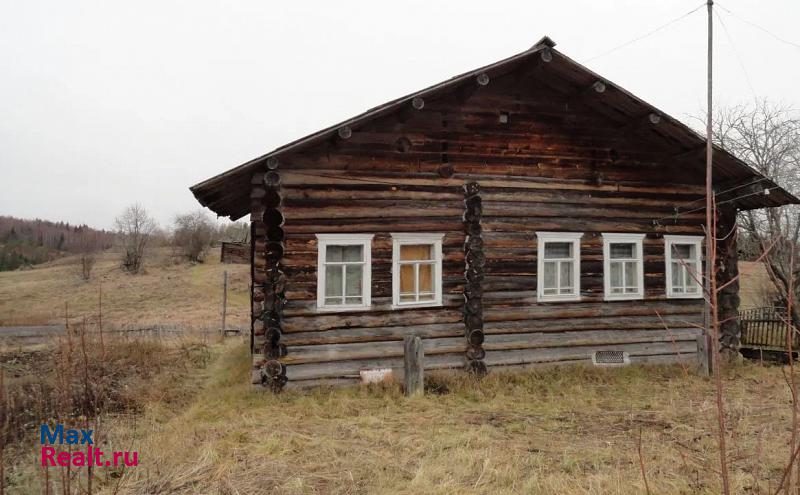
x=685, y=296
x=434, y=304
x=342, y=309
x=545, y=299
x=626, y=297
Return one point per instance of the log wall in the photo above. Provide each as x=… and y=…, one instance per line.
x=534, y=163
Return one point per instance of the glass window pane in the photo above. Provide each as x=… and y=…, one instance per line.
x=630, y=274
x=622, y=250
x=333, y=301
x=616, y=274
x=407, y=282
x=411, y=252
x=333, y=280
x=353, y=280
x=407, y=298
x=426, y=278
x=352, y=300
x=566, y=275
x=677, y=275
x=549, y=275
x=352, y=253
x=426, y=297
x=333, y=253
x=557, y=250
x=683, y=251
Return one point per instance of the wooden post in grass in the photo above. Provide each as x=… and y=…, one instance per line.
x=224, y=299
x=413, y=354
x=703, y=358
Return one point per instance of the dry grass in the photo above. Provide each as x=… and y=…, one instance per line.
x=567, y=430
x=561, y=430
x=167, y=293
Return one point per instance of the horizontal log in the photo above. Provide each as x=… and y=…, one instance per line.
x=496, y=342
x=407, y=316
x=372, y=334
x=381, y=209
x=370, y=350
x=334, y=178
x=595, y=323
x=594, y=210
x=523, y=356
x=656, y=359
x=589, y=310
x=351, y=369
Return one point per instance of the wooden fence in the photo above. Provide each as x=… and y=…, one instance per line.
x=764, y=328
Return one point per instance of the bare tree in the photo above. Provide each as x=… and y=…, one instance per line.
x=767, y=137
x=135, y=227
x=193, y=234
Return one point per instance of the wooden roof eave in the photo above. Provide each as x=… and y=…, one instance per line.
x=221, y=193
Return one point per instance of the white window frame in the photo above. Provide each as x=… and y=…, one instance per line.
x=541, y=239
x=363, y=240
x=636, y=240
x=435, y=240
x=697, y=241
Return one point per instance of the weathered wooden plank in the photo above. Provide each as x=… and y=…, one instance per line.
x=499, y=342
x=591, y=310
x=372, y=334
x=370, y=350
x=413, y=374
x=542, y=355
x=350, y=369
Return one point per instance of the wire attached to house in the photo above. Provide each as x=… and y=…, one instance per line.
x=719, y=193
x=677, y=214
x=648, y=34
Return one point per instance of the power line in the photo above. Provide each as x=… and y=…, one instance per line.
x=648, y=34
x=765, y=191
x=718, y=193
x=782, y=40
x=736, y=52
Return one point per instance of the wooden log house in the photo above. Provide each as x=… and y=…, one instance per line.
x=523, y=213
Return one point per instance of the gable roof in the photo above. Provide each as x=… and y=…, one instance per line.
x=228, y=194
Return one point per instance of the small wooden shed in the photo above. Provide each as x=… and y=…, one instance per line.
x=523, y=213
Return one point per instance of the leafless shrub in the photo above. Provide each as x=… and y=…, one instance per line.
x=135, y=227
x=193, y=234
x=89, y=244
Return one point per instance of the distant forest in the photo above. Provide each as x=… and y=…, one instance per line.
x=28, y=242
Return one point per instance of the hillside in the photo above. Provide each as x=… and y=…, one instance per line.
x=30, y=242
x=168, y=293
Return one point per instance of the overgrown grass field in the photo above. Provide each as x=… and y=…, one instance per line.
x=186, y=407
x=168, y=293
x=557, y=430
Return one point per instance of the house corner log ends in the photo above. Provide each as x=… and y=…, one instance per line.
x=727, y=270
x=475, y=260
x=269, y=280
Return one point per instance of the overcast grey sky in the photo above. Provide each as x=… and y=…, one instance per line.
x=103, y=103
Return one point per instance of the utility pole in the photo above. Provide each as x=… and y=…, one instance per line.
x=712, y=316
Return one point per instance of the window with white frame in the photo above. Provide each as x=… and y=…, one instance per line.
x=344, y=271
x=683, y=257
x=559, y=266
x=417, y=269
x=623, y=266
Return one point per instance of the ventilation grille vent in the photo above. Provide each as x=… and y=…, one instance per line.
x=610, y=358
